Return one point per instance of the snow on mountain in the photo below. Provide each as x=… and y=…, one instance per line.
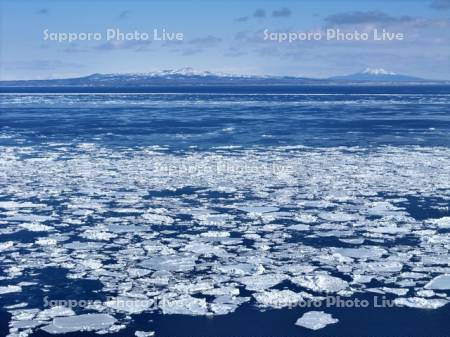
x=167, y=73
x=376, y=75
x=191, y=77
x=379, y=71
x=183, y=76
x=188, y=71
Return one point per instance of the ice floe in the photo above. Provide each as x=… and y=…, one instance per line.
x=421, y=303
x=56, y=311
x=261, y=282
x=10, y=289
x=177, y=242
x=34, y=227
x=441, y=222
x=441, y=282
x=184, y=305
x=86, y=322
x=316, y=320
x=140, y=333
x=278, y=298
x=258, y=209
x=129, y=305
x=6, y=245
x=321, y=283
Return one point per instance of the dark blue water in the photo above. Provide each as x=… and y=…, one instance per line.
x=323, y=117
x=200, y=119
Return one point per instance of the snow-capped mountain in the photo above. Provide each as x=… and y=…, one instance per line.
x=183, y=76
x=192, y=78
x=379, y=71
x=167, y=73
x=376, y=75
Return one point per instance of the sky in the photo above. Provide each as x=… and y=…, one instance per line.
x=224, y=36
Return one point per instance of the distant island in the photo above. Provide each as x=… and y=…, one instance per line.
x=377, y=75
x=190, y=77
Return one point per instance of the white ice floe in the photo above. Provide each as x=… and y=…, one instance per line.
x=425, y=293
x=316, y=320
x=205, y=249
x=98, y=234
x=35, y=227
x=226, y=290
x=393, y=229
x=193, y=287
x=144, y=333
x=198, y=251
x=46, y=242
x=170, y=263
x=184, y=305
x=299, y=227
x=321, y=283
x=353, y=241
x=278, y=298
x=6, y=245
x=129, y=305
x=362, y=252
x=258, y=209
x=91, y=264
x=10, y=289
x=86, y=322
x=158, y=219
x=16, y=204
x=396, y=291
x=441, y=282
x=381, y=208
x=337, y=216
x=138, y=272
x=421, y=303
x=215, y=234
x=56, y=311
x=306, y=218
x=225, y=304
x=383, y=267
x=262, y=282
x=441, y=222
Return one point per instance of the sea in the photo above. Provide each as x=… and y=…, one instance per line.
x=225, y=211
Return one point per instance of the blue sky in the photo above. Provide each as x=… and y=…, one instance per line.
x=224, y=36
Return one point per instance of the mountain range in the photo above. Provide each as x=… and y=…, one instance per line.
x=190, y=77
x=377, y=75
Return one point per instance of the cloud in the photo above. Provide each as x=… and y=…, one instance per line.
x=188, y=51
x=234, y=52
x=259, y=13
x=137, y=45
x=206, y=42
x=281, y=13
x=418, y=29
x=75, y=48
x=123, y=15
x=241, y=19
x=440, y=4
x=198, y=45
x=47, y=65
x=358, y=17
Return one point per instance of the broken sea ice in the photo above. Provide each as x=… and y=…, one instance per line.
x=316, y=320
